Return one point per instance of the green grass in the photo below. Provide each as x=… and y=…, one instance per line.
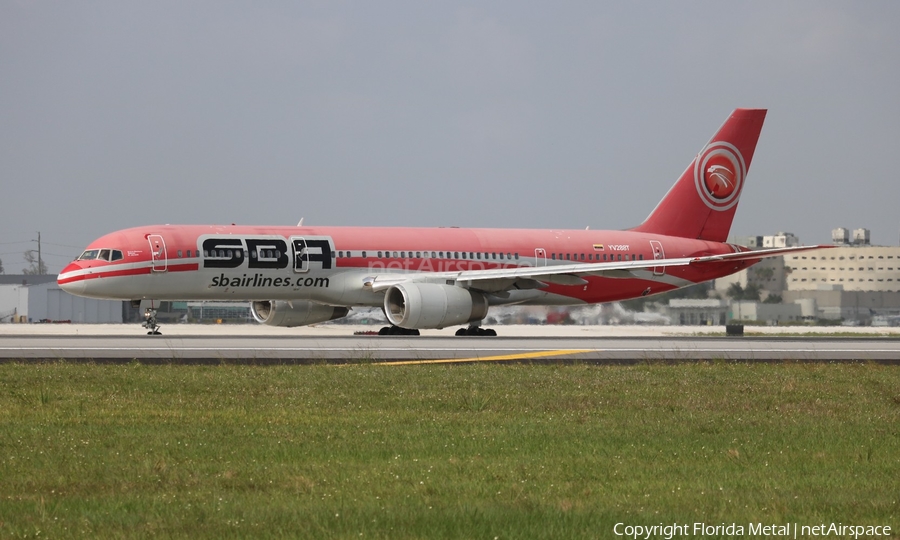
x=469, y=451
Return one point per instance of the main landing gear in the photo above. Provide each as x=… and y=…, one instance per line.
x=476, y=331
x=397, y=331
x=473, y=330
x=150, y=322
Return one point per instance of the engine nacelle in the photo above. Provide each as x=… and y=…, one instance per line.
x=296, y=313
x=430, y=305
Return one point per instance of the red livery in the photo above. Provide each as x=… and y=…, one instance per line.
x=437, y=277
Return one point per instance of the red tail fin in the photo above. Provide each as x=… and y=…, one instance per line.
x=703, y=201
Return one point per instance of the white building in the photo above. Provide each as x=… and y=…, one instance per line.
x=25, y=299
x=851, y=281
x=697, y=311
x=769, y=313
x=780, y=240
x=853, y=268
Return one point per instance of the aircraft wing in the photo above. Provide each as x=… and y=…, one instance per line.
x=569, y=274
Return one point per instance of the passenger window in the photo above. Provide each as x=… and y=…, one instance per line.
x=464, y=254
x=179, y=253
x=517, y=256
x=582, y=256
x=567, y=257
x=553, y=256
x=363, y=254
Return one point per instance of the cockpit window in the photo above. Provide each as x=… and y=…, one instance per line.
x=102, y=255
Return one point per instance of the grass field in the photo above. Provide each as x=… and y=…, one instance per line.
x=464, y=451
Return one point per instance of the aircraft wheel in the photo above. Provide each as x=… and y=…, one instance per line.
x=476, y=331
x=397, y=331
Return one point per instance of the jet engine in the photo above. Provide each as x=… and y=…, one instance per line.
x=431, y=305
x=296, y=313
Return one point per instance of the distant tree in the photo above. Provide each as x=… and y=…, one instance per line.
x=35, y=267
x=736, y=292
x=2, y=271
x=765, y=273
x=773, y=299
x=752, y=292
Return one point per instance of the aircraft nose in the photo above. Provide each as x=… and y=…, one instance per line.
x=71, y=280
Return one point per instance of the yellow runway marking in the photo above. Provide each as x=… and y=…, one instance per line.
x=518, y=356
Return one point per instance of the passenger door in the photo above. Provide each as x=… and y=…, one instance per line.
x=658, y=254
x=158, y=253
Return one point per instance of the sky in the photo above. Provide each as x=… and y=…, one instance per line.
x=475, y=114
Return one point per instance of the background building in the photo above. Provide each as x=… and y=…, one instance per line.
x=855, y=268
x=853, y=281
x=37, y=298
x=769, y=275
x=780, y=240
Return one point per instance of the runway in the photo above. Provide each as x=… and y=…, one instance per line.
x=305, y=349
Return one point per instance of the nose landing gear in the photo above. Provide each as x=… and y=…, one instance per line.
x=150, y=322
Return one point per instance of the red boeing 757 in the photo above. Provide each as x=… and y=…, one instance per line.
x=437, y=277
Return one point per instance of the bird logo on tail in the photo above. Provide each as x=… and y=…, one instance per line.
x=719, y=174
